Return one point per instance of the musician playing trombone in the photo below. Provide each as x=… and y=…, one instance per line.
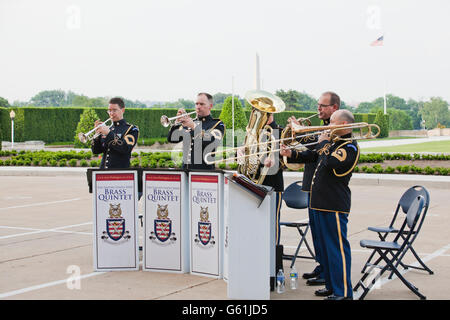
x=336, y=155
x=200, y=135
x=327, y=104
x=117, y=141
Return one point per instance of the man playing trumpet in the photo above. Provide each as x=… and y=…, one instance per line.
x=330, y=199
x=117, y=141
x=199, y=136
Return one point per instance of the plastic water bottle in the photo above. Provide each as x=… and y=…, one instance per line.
x=280, y=282
x=293, y=275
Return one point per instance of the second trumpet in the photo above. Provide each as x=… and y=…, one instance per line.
x=166, y=121
x=88, y=136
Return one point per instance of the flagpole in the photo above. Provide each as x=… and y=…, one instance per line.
x=376, y=43
x=257, y=74
x=385, y=78
x=232, y=107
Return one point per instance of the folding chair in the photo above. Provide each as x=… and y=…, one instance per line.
x=404, y=203
x=394, y=249
x=296, y=198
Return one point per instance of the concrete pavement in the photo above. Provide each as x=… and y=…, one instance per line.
x=46, y=238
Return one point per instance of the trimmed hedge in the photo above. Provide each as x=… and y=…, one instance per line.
x=56, y=124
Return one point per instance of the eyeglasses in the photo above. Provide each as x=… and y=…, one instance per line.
x=319, y=105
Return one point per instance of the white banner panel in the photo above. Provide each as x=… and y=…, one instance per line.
x=163, y=218
x=115, y=220
x=226, y=208
x=205, y=213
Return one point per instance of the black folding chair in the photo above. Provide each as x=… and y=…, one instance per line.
x=404, y=203
x=391, y=252
x=296, y=198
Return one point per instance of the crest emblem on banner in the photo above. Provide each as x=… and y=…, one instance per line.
x=162, y=225
x=204, y=228
x=115, y=225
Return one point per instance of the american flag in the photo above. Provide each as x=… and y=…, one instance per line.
x=378, y=42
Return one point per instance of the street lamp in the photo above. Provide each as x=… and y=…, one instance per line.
x=12, y=115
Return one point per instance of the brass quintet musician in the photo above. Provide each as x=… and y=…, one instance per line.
x=200, y=135
x=330, y=200
x=328, y=103
x=117, y=141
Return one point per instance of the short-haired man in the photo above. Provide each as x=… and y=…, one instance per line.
x=115, y=142
x=200, y=135
x=331, y=200
x=328, y=103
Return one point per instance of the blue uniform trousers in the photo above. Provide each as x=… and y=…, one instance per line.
x=315, y=239
x=279, y=202
x=335, y=248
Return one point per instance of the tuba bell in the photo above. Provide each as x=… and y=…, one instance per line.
x=263, y=104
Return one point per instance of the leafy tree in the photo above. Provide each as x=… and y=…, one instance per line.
x=398, y=119
x=295, y=100
x=240, y=120
x=434, y=112
x=49, y=98
x=414, y=107
x=4, y=103
x=219, y=97
x=86, y=123
x=364, y=107
x=69, y=98
x=97, y=102
x=80, y=100
x=187, y=104
x=391, y=102
x=130, y=103
x=382, y=121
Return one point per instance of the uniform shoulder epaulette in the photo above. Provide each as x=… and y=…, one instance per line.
x=341, y=154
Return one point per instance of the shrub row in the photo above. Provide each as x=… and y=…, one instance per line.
x=406, y=169
x=380, y=157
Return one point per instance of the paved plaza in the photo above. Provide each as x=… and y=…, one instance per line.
x=46, y=240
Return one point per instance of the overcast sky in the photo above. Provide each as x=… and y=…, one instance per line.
x=165, y=50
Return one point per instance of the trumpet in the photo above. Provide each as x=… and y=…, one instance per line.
x=88, y=136
x=166, y=121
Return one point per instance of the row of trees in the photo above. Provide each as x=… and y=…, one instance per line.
x=60, y=98
x=403, y=114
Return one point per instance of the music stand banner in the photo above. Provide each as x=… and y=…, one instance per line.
x=206, y=193
x=166, y=230
x=115, y=198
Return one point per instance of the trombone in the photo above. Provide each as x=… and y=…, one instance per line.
x=88, y=136
x=303, y=133
x=166, y=121
x=306, y=121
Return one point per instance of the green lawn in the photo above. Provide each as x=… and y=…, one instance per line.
x=391, y=138
x=435, y=146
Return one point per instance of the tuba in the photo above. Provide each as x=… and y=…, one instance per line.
x=263, y=104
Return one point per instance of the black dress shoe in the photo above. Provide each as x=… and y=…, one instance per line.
x=315, y=282
x=333, y=297
x=310, y=275
x=323, y=292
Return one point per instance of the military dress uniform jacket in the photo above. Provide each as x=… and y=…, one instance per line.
x=310, y=167
x=335, y=163
x=117, y=145
x=275, y=180
x=204, y=138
